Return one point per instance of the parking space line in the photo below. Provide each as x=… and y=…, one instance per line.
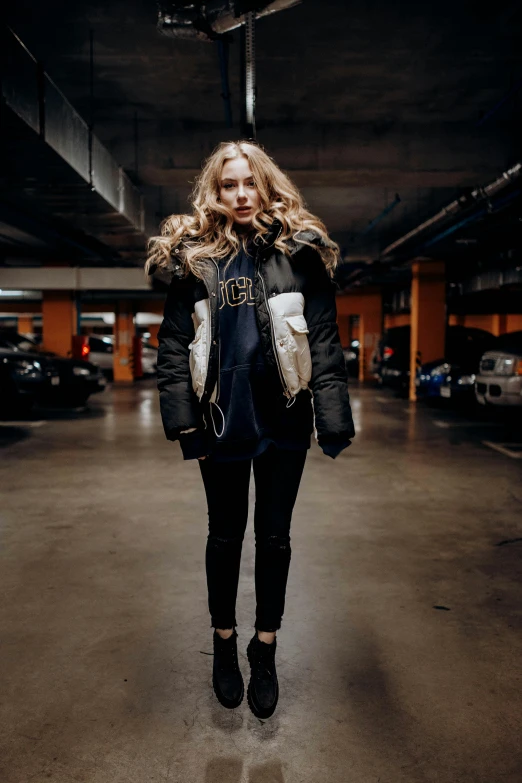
x=31, y=424
x=504, y=448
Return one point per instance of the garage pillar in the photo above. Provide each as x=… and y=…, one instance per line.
x=370, y=330
x=154, y=329
x=123, y=334
x=59, y=321
x=368, y=306
x=428, y=316
x=343, y=323
x=499, y=324
x=25, y=324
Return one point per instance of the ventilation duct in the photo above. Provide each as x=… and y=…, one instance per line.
x=207, y=21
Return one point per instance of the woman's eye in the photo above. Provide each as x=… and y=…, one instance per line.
x=252, y=184
x=228, y=185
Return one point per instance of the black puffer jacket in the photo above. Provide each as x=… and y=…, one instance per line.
x=300, y=277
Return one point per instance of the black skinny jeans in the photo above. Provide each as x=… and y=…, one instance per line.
x=277, y=474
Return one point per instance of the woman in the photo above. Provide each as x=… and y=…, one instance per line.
x=249, y=365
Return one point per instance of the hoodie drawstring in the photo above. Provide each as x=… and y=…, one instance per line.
x=218, y=435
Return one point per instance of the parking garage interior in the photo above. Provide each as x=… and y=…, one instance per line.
x=399, y=656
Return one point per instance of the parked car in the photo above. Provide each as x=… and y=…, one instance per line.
x=149, y=358
x=459, y=386
x=24, y=380
x=101, y=353
x=464, y=348
x=499, y=380
x=69, y=381
x=430, y=378
x=102, y=350
x=351, y=358
x=393, y=359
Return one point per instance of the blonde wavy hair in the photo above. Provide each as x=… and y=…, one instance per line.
x=209, y=233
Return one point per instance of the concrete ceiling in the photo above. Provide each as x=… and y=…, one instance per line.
x=357, y=100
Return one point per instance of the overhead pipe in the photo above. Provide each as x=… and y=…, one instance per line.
x=457, y=206
x=358, y=276
x=470, y=219
x=386, y=211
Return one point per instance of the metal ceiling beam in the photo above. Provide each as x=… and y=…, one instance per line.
x=73, y=279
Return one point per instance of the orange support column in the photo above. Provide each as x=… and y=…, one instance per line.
x=343, y=324
x=59, y=321
x=124, y=332
x=154, y=329
x=428, y=316
x=370, y=330
x=368, y=306
x=499, y=324
x=25, y=324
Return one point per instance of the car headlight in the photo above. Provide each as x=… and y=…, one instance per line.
x=441, y=369
x=506, y=366
x=83, y=371
x=467, y=380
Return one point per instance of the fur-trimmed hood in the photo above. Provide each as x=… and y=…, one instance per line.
x=301, y=239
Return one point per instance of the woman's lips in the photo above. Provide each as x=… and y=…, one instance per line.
x=243, y=209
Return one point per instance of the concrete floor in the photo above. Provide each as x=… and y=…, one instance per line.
x=400, y=653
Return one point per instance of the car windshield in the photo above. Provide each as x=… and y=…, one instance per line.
x=511, y=343
x=17, y=342
x=100, y=344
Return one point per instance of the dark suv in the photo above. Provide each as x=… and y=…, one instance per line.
x=68, y=381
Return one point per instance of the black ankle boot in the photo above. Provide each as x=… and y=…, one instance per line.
x=226, y=674
x=263, y=688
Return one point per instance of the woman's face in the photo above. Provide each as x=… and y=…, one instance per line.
x=238, y=191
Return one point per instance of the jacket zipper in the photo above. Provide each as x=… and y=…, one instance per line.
x=219, y=342
x=209, y=292
x=286, y=391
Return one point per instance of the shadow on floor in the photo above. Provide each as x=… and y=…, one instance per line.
x=229, y=769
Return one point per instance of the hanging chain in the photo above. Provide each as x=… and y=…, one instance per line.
x=250, y=72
